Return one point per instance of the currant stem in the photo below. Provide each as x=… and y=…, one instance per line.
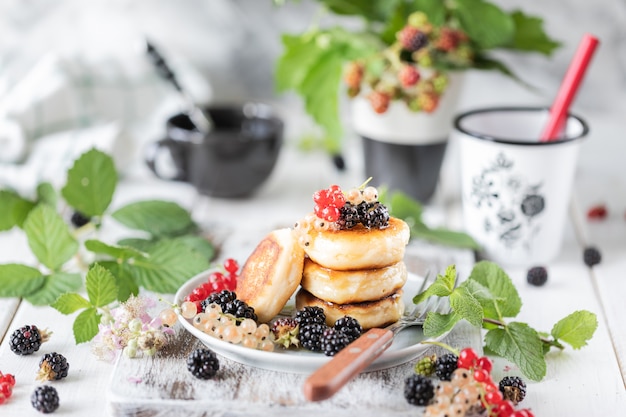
x=442, y=345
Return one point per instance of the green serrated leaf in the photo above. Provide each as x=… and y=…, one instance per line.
x=142, y=245
x=437, y=324
x=70, y=302
x=530, y=36
x=299, y=55
x=54, y=286
x=19, y=280
x=576, y=329
x=167, y=267
x=445, y=237
x=160, y=218
x=198, y=244
x=101, y=286
x=485, y=23
x=503, y=299
x=520, y=344
x=466, y=306
x=91, y=183
x=375, y=11
x=117, y=252
x=46, y=194
x=441, y=287
x=49, y=237
x=434, y=9
x=86, y=325
x=401, y=205
x=13, y=209
x=126, y=285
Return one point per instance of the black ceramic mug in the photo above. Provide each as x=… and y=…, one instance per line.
x=232, y=160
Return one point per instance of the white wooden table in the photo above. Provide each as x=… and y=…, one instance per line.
x=589, y=382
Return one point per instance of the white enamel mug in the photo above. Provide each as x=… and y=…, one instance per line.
x=516, y=189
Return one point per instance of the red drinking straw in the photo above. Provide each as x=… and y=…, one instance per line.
x=569, y=87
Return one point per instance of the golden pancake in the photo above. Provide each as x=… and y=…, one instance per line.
x=354, y=286
x=369, y=314
x=271, y=274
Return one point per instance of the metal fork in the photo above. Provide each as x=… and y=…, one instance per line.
x=354, y=358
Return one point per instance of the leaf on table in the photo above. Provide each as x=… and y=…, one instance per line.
x=520, y=344
x=13, y=209
x=49, y=237
x=117, y=252
x=159, y=218
x=101, y=286
x=86, y=325
x=126, y=285
x=466, y=306
x=576, y=329
x=69, y=303
x=168, y=266
x=19, y=280
x=498, y=295
x=441, y=287
x=54, y=286
x=91, y=183
x=437, y=324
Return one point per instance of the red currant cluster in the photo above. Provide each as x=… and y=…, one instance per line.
x=597, y=212
x=216, y=282
x=7, y=382
x=328, y=203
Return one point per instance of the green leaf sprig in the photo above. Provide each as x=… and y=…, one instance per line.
x=167, y=250
x=486, y=299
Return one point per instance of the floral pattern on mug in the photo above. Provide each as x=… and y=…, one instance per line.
x=509, y=201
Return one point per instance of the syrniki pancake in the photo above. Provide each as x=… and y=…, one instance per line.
x=359, y=247
x=370, y=314
x=354, y=286
x=271, y=274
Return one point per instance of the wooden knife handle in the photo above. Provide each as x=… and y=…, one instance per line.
x=348, y=363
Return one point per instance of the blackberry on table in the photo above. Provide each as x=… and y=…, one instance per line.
x=52, y=366
x=537, y=275
x=27, y=339
x=445, y=365
x=203, y=363
x=418, y=390
x=310, y=315
x=78, y=219
x=592, y=256
x=513, y=388
x=333, y=341
x=311, y=336
x=349, y=326
x=45, y=399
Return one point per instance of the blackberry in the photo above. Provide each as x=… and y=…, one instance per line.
x=513, y=388
x=78, y=219
x=333, y=341
x=592, y=256
x=418, y=390
x=426, y=365
x=27, y=339
x=220, y=298
x=45, y=399
x=286, y=331
x=412, y=39
x=349, y=326
x=311, y=336
x=310, y=315
x=376, y=216
x=52, y=366
x=230, y=304
x=348, y=216
x=203, y=363
x=445, y=365
x=537, y=276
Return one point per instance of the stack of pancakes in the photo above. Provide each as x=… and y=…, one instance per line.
x=357, y=272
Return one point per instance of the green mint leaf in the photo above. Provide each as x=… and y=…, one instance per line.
x=142, y=245
x=198, y=244
x=160, y=218
x=530, y=36
x=49, y=237
x=466, y=306
x=404, y=207
x=373, y=11
x=485, y=23
x=86, y=325
x=54, y=286
x=434, y=9
x=46, y=194
x=70, y=302
x=520, y=344
x=168, y=266
x=489, y=302
x=126, y=285
x=441, y=287
x=117, y=252
x=101, y=286
x=13, y=209
x=91, y=183
x=576, y=329
x=445, y=237
x=437, y=324
x=19, y=280
x=503, y=299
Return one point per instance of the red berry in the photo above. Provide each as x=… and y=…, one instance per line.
x=191, y=298
x=484, y=363
x=8, y=378
x=231, y=265
x=2, y=398
x=379, y=101
x=467, y=358
x=6, y=389
x=198, y=304
x=598, y=212
x=353, y=75
x=199, y=293
x=412, y=38
x=230, y=282
x=408, y=75
x=505, y=408
x=330, y=214
x=321, y=197
x=524, y=412
x=493, y=397
x=481, y=375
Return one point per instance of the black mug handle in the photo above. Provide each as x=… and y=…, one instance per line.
x=167, y=158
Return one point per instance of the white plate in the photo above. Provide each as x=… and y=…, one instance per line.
x=406, y=345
